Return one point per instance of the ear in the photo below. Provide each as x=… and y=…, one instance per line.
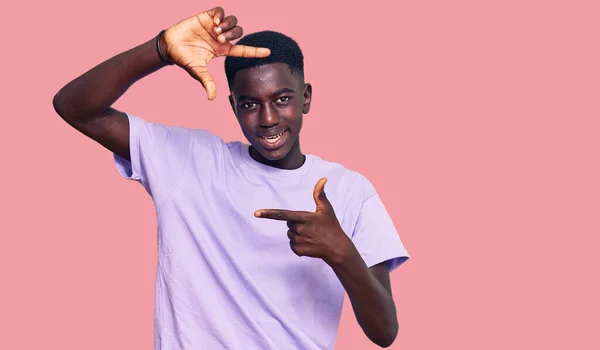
x=232, y=103
x=307, y=98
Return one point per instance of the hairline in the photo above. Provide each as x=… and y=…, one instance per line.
x=296, y=72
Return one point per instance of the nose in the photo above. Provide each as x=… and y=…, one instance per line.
x=269, y=116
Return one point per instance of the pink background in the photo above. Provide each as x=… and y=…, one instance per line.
x=477, y=121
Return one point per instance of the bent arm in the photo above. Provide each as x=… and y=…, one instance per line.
x=370, y=294
x=85, y=103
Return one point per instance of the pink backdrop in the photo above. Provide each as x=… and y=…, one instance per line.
x=478, y=122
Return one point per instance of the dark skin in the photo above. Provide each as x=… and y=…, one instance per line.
x=319, y=235
x=267, y=100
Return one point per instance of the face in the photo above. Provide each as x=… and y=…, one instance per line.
x=269, y=102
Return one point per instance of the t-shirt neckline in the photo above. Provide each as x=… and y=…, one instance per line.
x=302, y=170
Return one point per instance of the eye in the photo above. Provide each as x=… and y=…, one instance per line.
x=249, y=105
x=283, y=99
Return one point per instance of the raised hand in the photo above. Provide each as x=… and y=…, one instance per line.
x=193, y=42
x=315, y=234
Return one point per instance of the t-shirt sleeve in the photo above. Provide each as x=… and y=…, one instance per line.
x=375, y=235
x=159, y=154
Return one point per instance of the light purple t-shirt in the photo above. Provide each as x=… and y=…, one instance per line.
x=226, y=279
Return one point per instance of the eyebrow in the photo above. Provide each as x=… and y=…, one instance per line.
x=278, y=92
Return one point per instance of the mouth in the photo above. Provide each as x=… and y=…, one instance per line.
x=273, y=142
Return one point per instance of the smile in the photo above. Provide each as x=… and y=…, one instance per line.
x=273, y=139
x=273, y=142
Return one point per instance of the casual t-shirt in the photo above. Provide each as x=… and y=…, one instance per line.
x=226, y=279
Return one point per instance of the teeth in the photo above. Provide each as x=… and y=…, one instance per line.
x=273, y=139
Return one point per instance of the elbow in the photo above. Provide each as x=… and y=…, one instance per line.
x=387, y=341
x=57, y=104
x=62, y=108
x=387, y=338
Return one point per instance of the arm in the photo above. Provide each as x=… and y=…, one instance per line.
x=370, y=294
x=319, y=235
x=85, y=103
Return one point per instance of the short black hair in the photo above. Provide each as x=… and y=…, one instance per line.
x=283, y=50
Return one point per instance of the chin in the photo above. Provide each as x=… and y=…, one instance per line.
x=271, y=154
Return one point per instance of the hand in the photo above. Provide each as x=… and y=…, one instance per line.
x=193, y=42
x=315, y=234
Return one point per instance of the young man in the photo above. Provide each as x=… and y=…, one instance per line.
x=252, y=252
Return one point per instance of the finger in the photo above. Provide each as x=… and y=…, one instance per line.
x=248, y=51
x=231, y=35
x=320, y=197
x=202, y=75
x=228, y=23
x=295, y=249
x=294, y=226
x=291, y=236
x=283, y=215
x=217, y=14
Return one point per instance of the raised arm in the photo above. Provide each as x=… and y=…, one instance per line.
x=85, y=103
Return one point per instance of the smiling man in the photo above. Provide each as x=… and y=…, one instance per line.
x=254, y=252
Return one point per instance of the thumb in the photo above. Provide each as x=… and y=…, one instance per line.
x=323, y=204
x=202, y=75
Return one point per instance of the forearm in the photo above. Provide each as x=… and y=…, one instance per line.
x=373, y=305
x=93, y=93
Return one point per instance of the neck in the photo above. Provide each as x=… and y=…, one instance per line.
x=293, y=160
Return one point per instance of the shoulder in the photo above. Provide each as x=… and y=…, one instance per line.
x=153, y=139
x=195, y=139
x=170, y=132
x=344, y=179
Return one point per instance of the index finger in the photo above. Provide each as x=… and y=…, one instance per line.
x=283, y=215
x=248, y=51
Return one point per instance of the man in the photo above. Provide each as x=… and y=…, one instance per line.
x=252, y=252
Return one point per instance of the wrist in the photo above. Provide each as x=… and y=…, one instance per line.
x=343, y=254
x=161, y=47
